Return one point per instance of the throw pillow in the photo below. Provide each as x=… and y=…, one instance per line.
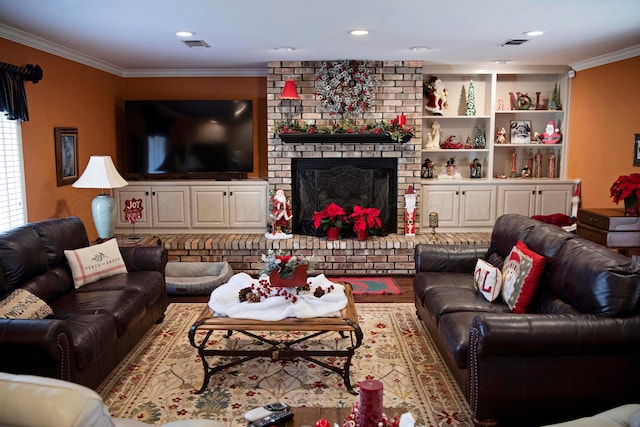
x=93, y=263
x=521, y=274
x=488, y=280
x=22, y=304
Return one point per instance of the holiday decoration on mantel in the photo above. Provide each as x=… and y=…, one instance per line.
x=345, y=87
x=471, y=100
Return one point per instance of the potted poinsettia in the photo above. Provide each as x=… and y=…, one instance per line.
x=627, y=189
x=330, y=219
x=365, y=219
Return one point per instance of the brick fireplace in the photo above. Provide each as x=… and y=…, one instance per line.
x=398, y=91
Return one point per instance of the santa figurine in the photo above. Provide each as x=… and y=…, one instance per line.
x=436, y=95
x=279, y=217
x=551, y=134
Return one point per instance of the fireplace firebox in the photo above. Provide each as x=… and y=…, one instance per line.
x=347, y=182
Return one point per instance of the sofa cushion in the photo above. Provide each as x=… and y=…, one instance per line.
x=21, y=304
x=61, y=234
x=148, y=283
x=521, y=274
x=95, y=262
x=22, y=256
x=596, y=280
x=488, y=280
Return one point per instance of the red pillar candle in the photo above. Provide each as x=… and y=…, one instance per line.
x=370, y=403
x=401, y=119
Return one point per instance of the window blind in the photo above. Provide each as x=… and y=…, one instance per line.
x=12, y=194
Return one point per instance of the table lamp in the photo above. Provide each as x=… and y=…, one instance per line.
x=102, y=173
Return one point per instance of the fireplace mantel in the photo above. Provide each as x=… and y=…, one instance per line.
x=343, y=138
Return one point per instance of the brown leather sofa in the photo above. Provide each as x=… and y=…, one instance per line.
x=92, y=328
x=574, y=353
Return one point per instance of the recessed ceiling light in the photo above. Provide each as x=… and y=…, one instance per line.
x=419, y=48
x=533, y=33
x=185, y=33
x=358, y=32
x=284, y=49
x=501, y=61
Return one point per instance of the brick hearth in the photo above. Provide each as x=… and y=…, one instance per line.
x=391, y=254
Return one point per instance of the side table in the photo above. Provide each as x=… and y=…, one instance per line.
x=611, y=228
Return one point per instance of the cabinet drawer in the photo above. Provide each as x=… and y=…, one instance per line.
x=609, y=219
x=610, y=239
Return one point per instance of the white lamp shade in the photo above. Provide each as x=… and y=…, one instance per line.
x=100, y=173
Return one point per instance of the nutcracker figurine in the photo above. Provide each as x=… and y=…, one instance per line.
x=410, y=212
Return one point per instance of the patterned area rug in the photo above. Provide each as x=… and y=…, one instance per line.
x=371, y=285
x=157, y=381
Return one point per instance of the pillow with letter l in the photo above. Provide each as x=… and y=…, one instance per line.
x=488, y=280
x=95, y=262
x=520, y=277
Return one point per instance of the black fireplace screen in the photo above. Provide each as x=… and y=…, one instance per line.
x=347, y=182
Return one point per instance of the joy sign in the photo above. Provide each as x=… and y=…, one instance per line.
x=133, y=210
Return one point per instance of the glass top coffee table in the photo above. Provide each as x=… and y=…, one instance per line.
x=278, y=349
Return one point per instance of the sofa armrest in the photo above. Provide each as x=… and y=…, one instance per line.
x=567, y=364
x=448, y=258
x=144, y=258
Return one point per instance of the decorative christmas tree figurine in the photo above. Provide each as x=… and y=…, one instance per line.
x=555, y=103
x=471, y=100
x=479, y=141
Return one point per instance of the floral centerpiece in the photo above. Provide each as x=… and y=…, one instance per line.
x=627, y=189
x=332, y=216
x=365, y=219
x=285, y=270
x=393, y=129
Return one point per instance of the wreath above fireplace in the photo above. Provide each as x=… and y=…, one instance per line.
x=345, y=87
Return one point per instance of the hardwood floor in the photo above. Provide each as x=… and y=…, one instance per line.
x=404, y=282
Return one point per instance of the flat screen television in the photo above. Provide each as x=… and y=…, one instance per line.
x=187, y=139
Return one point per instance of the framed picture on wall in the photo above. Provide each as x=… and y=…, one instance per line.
x=520, y=131
x=66, y=140
x=636, y=150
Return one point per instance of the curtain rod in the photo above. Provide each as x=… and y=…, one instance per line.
x=32, y=73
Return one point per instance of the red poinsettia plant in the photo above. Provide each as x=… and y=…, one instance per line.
x=365, y=218
x=333, y=215
x=626, y=187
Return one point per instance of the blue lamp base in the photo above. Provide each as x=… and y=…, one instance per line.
x=104, y=215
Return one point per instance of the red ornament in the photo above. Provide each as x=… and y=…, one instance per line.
x=322, y=423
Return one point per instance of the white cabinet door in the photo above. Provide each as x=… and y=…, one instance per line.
x=554, y=198
x=517, y=199
x=170, y=206
x=477, y=205
x=137, y=192
x=248, y=206
x=445, y=201
x=209, y=206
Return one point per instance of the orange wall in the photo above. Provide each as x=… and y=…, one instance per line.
x=253, y=88
x=604, y=116
x=69, y=95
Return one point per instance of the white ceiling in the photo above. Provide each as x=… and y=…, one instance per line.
x=125, y=36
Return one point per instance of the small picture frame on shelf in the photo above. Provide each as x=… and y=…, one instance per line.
x=520, y=132
x=636, y=150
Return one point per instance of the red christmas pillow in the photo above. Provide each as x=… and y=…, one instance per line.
x=520, y=277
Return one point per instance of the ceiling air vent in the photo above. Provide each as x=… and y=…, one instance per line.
x=196, y=43
x=513, y=42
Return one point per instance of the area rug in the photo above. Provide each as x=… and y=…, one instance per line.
x=371, y=285
x=157, y=381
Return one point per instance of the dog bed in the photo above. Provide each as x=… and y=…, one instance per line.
x=196, y=278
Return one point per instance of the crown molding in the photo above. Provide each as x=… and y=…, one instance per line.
x=212, y=72
x=39, y=43
x=607, y=59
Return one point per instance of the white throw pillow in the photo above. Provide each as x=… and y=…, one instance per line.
x=487, y=279
x=22, y=304
x=95, y=262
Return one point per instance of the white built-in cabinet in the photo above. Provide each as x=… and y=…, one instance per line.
x=468, y=203
x=200, y=206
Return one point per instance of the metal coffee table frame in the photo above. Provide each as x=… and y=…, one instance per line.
x=347, y=323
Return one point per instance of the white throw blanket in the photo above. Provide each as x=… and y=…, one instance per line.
x=225, y=301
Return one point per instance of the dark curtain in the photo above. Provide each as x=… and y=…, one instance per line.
x=13, y=99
